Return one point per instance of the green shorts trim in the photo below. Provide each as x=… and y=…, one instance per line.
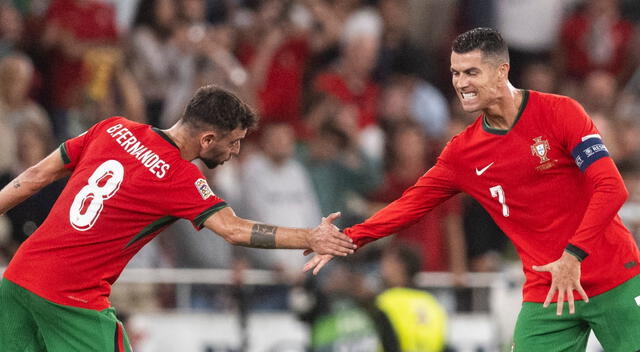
x=614, y=317
x=30, y=323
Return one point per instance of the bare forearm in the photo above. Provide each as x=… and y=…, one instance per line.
x=247, y=233
x=17, y=191
x=31, y=181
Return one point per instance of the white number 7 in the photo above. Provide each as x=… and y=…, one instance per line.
x=497, y=191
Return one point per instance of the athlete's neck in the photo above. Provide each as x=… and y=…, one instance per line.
x=179, y=134
x=503, y=113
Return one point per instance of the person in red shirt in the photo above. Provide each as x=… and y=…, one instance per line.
x=72, y=29
x=128, y=181
x=537, y=164
x=596, y=37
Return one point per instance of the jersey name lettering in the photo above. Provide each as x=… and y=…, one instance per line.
x=132, y=145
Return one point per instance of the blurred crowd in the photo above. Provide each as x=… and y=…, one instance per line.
x=354, y=98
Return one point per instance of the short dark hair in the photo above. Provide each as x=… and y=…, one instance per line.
x=487, y=40
x=409, y=256
x=212, y=106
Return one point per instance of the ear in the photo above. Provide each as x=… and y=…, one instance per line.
x=208, y=138
x=503, y=71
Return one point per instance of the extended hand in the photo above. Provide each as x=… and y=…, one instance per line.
x=317, y=262
x=327, y=238
x=565, y=277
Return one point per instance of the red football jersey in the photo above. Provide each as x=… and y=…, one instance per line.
x=128, y=182
x=546, y=184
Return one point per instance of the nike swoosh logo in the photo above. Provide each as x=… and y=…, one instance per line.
x=480, y=172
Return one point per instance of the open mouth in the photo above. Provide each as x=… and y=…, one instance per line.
x=469, y=95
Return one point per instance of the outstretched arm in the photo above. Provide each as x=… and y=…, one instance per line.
x=324, y=239
x=32, y=180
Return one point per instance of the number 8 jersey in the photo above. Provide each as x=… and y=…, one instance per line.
x=548, y=182
x=128, y=183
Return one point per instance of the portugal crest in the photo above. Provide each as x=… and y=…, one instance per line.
x=540, y=148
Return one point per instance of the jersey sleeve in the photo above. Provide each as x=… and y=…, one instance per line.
x=72, y=149
x=431, y=189
x=608, y=193
x=579, y=135
x=191, y=197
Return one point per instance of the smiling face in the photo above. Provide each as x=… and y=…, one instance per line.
x=217, y=148
x=477, y=79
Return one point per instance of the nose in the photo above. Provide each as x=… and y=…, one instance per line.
x=460, y=82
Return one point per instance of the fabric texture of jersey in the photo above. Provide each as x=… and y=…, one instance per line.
x=528, y=180
x=128, y=182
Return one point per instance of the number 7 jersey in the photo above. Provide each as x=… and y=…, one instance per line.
x=548, y=182
x=128, y=182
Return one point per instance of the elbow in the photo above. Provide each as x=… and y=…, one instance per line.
x=622, y=192
x=233, y=234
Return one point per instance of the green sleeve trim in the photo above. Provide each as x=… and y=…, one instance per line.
x=64, y=154
x=151, y=228
x=576, y=252
x=200, y=219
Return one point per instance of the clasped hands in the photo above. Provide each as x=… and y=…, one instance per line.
x=327, y=241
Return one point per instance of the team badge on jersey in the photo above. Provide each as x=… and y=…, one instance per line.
x=203, y=188
x=540, y=148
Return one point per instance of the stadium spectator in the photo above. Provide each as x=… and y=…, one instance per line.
x=277, y=189
x=351, y=80
x=419, y=321
x=532, y=30
x=73, y=29
x=398, y=52
x=596, y=37
x=152, y=54
x=341, y=172
x=16, y=106
x=408, y=97
x=276, y=49
x=539, y=76
x=11, y=29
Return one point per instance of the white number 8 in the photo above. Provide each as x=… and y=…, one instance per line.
x=88, y=203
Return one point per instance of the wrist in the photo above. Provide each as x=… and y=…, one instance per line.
x=576, y=252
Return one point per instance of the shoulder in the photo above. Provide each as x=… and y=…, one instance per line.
x=549, y=99
x=466, y=134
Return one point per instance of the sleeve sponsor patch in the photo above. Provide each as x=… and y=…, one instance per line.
x=203, y=187
x=588, y=151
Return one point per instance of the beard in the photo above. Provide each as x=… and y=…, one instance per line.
x=211, y=163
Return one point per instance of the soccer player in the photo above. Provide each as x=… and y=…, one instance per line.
x=128, y=181
x=536, y=162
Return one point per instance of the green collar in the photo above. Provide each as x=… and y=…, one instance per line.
x=164, y=136
x=498, y=131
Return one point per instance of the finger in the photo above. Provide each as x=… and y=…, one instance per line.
x=583, y=294
x=560, y=302
x=310, y=264
x=307, y=252
x=320, y=265
x=342, y=237
x=331, y=217
x=343, y=242
x=540, y=268
x=572, y=306
x=550, y=294
x=340, y=250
